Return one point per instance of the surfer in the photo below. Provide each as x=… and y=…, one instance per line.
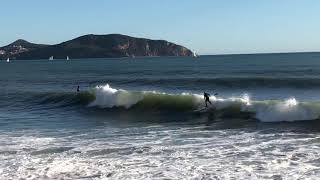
x=206, y=97
x=78, y=89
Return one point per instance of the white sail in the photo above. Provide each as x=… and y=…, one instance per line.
x=8, y=60
x=51, y=58
x=195, y=54
x=67, y=58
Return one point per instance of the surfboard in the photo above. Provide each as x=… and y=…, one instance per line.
x=201, y=109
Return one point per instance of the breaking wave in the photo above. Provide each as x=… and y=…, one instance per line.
x=106, y=97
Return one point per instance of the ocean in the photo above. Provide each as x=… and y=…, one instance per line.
x=143, y=118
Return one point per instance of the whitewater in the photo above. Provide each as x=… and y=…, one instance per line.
x=144, y=118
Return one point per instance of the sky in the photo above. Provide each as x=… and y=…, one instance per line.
x=205, y=26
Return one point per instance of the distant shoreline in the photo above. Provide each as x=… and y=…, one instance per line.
x=206, y=55
x=94, y=46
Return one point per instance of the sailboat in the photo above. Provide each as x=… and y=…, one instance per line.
x=8, y=60
x=51, y=58
x=67, y=58
x=195, y=55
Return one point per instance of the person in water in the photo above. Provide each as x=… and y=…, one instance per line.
x=78, y=89
x=206, y=97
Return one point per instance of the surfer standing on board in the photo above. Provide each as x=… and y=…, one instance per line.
x=206, y=97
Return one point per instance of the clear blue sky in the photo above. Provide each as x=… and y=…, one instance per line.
x=206, y=26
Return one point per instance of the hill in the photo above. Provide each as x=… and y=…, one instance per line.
x=18, y=47
x=95, y=46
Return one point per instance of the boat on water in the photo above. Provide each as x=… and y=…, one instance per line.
x=8, y=60
x=67, y=58
x=194, y=54
x=51, y=58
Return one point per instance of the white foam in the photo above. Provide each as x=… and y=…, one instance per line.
x=288, y=110
x=221, y=103
x=107, y=97
x=167, y=153
x=268, y=111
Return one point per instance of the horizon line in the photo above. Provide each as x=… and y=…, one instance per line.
x=260, y=53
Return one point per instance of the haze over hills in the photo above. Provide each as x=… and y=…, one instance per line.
x=94, y=46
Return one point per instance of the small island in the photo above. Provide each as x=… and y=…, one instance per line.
x=94, y=46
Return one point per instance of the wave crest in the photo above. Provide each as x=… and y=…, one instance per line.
x=107, y=97
x=266, y=111
x=141, y=102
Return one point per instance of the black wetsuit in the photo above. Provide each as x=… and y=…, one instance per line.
x=206, y=97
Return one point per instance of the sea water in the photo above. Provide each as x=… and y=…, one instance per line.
x=139, y=118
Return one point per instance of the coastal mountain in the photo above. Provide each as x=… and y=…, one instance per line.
x=94, y=46
x=18, y=47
